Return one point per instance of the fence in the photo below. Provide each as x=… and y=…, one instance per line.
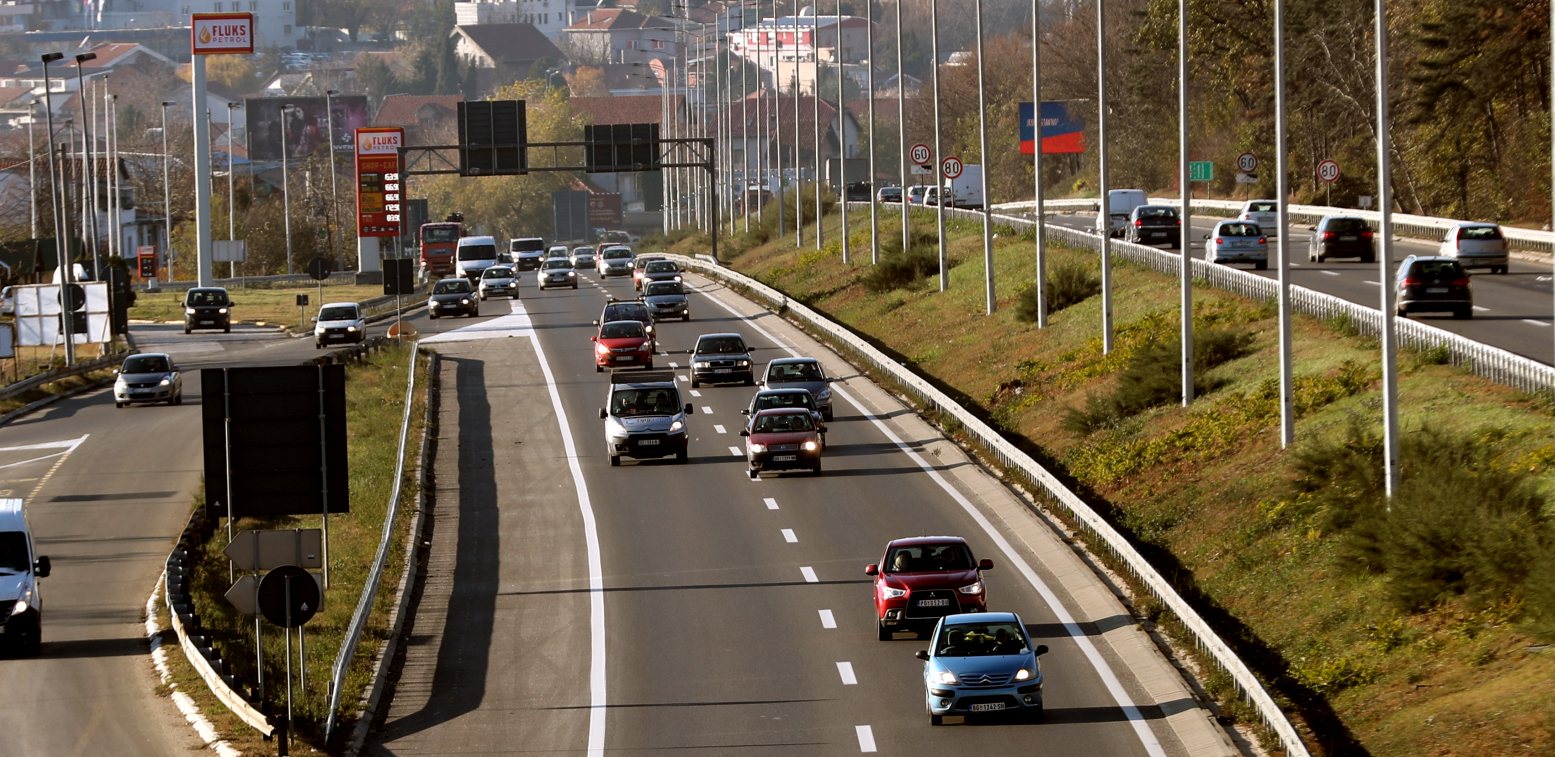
x=1013, y=459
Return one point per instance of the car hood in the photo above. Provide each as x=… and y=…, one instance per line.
x=813, y=387
x=141, y=378
x=721, y=356
x=665, y=299
x=12, y=587
x=339, y=324
x=968, y=667
x=786, y=437
x=617, y=262
x=634, y=341
x=204, y=308
x=497, y=280
x=533, y=254
x=663, y=276
x=646, y=423
x=451, y=296
x=948, y=579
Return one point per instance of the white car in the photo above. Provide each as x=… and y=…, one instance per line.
x=1265, y=213
x=1476, y=245
x=615, y=261
x=558, y=251
x=1237, y=242
x=20, y=591
x=583, y=257
x=499, y=281
x=339, y=322
x=473, y=255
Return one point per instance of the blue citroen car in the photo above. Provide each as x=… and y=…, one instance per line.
x=982, y=662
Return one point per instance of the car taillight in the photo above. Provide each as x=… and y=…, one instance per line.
x=1461, y=282
x=1503, y=245
x=1327, y=235
x=1177, y=221
x=1263, y=240
x=1139, y=222
x=1365, y=235
x=1218, y=241
x=1413, y=282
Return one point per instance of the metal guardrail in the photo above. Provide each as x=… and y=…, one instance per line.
x=1012, y=458
x=364, y=605
x=284, y=278
x=55, y=374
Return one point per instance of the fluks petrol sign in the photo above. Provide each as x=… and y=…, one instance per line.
x=221, y=33
x=378, y=181
x=1061, y=131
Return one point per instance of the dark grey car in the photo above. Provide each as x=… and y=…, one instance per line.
x=784, y=399
x=1426, y=284
x=453, y=297
x=721, y=358
x=1154, y=224
x=1341, y=237
x=207, y=308
x=801, y=373
x=667, y=299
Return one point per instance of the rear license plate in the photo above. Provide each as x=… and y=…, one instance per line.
x=1239, y=244
x=648, y=442
x=989, y=707
x=933, y=603
x=782, y=458
x=1347, y=239
x=1436, y=290
x=1158, y=233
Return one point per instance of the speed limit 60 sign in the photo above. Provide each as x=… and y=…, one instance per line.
x=1328, y=171
x=921, y=154
x=951, y=167
x=1247, y=162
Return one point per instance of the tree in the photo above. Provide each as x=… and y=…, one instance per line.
x=350, y=15
x=375, y=77
x=234, y=71
x=588, y=81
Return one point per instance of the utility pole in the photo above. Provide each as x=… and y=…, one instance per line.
x=1390, y=445
x=32, y=164
x=167, y=198
x=982, y=128
x=874, y=206
x=1103, y=205
x=61, y=232
x=939, y=151
x=89, y=170
x=1185, y=306
x=901, y=127
x=1036, y=150
x=286, y=185
x=334, y=185
x=842, y=138
x=1287, y=387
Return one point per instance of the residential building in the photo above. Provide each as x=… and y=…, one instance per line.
x=426, y=119
x=804, y=37
x=616, y=35
x=275, y=21
x=508, y=50
x=551, y=17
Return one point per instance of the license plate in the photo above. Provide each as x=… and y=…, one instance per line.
x=782, y=458
x=989, y=707
x=623, y=357
x=1436, y=290
x=721, y=370
x=1158, y=233
x=1239, y=244
x=648, y=443
x=933, y=603
x=1347, y=239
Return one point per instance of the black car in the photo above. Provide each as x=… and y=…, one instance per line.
x=889, y=194
x=667, y=299
x=207, y=308
x=784, y=399
x=1430, y=284
x=453, y=297
x=1154, y=224
x=620, y=310
x=1341, y=237
x=858, y=191
x=720, y=359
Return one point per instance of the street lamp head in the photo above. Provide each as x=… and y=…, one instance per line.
x=51, y=57
x=84, y=57
x=331, y=93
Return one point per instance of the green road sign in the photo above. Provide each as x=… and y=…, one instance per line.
x=1201, y=170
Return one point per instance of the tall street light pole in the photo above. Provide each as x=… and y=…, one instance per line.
x=874, y=206
x=334, y=186
x=1104, y=204
x=1036, y=164
x=32, y=164
x=815, y=120
x=982, y=128
x=286, y=201
x=798, y=141
x=901, y=125
x=89, y=172
x=1390, y=443
x=61, y=234
x=1287, y=390
x=167, y=198
x=1186, y=217
x=939, y=151
x=842, y=138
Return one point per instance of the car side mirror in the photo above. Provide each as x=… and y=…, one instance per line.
x=314, y=319
x=602, y=414
x=596, y=323
x=116, y=371
x=745, y=411
x=1041, y=650
x=1206, y=236
x=985, y=564
x=744, y=432
x=42, y=567
x=871, y=570
x=922, y=654
x=688, y=408
x=593, y=338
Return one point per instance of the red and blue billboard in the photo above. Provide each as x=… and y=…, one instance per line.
x=1061, y=132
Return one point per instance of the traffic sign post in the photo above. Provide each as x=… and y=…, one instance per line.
x=1328, y=171
x=288, y=597
x=1247, y=162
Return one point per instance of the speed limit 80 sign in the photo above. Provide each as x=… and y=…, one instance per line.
x=1328, y=171
x=951, y=167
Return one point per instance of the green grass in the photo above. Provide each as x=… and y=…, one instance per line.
x=375, y=392
x=276, y=306
x=1207, y=491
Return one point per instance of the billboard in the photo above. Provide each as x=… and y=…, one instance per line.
x=221, y=33
x=305, y=125
x=378, y=181
x=605, y=209
x=1062, y=132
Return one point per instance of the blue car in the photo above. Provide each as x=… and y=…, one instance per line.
x=982, y=662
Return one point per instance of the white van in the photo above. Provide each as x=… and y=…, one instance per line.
x=21, y=603
x=1120, y=206
x=964, y=191
x=474, y=255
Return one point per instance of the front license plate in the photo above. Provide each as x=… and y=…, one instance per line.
x=1436, y=290
x=721, y=370
x=933, y=603
x=623, y=357
x=648, y=443
x=989, y=707
x=782, y=458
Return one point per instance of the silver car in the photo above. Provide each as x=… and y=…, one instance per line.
x=583, y=257
x=801, y=373
x=615, y=261
x=1265, y=213
x=148, y=377
x=1476, y=245
x=499, y=281
x=1237, y=242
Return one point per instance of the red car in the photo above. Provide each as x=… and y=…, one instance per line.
x=783, y=439
x=923, y=579
x=622, y=344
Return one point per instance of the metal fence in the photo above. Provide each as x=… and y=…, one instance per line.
x=55, y=374
x=1013, y=459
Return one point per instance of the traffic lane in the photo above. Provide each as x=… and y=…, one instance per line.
x=704, y=546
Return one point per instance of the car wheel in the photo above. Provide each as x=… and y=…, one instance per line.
x=476, y=313
x=118, y=404
x=685, y=317
x=433, y=316
x=1369, y=259
x=575, y=285
x=186, y=329
x=827, y=415
x=681, y=456
x=599, y=369
x=318, y=345
x=1403, y=313
x=1464, y=312
x=750, y=380
x=226, y=329
x=1261, y=265
x=816, y=471
x=1504, y=269
x=1177, y=245
x=649, y=366
x=882, y=632
x=33, y=646
x=615, y=460
x=178, y=400
x=694, y=383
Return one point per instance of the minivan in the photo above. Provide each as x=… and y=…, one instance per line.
x=207, y=308
x=1120, y=205
x=21, y=602
x=527, y=252
x=474, y=255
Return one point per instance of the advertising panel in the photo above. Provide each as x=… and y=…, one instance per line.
x=378, y=181
x=605, y=209
x=1062, y=132
x=221, y=33
x=306, y=125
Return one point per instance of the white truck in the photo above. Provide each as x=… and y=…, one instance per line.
x=1120, y=205
x=966, y=190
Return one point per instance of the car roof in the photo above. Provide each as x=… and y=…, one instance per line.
x=338, y=304
x=1474, y=224
x=912, y=541
x=170, y=357
x=465, y=241
x=643, y=379
x=788, y=390
x=12, y=517
x=1430, y=258
x=791, y=360
x=207, y=289
x=982, y=617
x=726, y=333
x=782, y=411
x=525, y=239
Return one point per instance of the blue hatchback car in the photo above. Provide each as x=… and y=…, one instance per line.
x=982, y=662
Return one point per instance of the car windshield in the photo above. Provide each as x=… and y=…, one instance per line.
x=622, y=330
x=617, y=254
x=790, y=398
x=527, y=245
x=626, y=312
x=721, y=345
x=927, y=558
x=583, y=251
x=1151, y=212
x=497, y=272
x=478, y=252
x=557, y=264
x=1479, y=232
x=338, y=313
x=629, y=402
x=13, y=552
x=890, y=192
x=440, y=234
x=145, y=364
x=662, y=266
x=1263, y=207
x=1239, y=230
x=809, y=371
x=980, y=640
x=1432, y=269
x=661, y=288
x=206, y=297
x=782, y=423
x=451, y=286
x=1346, y=226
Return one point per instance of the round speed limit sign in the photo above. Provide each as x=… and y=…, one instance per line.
x=1328, y=171
x=1247, y=162
x=951, y=167
x=920, y=154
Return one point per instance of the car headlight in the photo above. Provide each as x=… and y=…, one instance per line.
x=677, y=278
x=165, y=382
x=512, y=284
x=745, y=363
x=464, y=301
x=825, y=394
x=757, y=447
x=20, y=607
x=648, y=327
x=890, y=593
x=570, y=274
x=350, y=328
x=677, y=425
x=223, y=311
x=810, y=446
x=976, y=588
x=645, y=347
x=435, y=303
x=601, y=349
x=1022, y=674
x=703, y=364
x=946, y=677
x=188, y=311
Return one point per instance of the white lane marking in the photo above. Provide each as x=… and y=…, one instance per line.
x=1479, y=309
x=674, y=365
x=596, y=745
x=845, y=669
x=827, y=620
x=788, y=536
x=809, y=575
x=771, y=503
x=1536, y=323
x=707, y=410
x=1103, y=670
x=1368, y=281
x=682, y=378
x=68, y=445
x=1329, y=273
x=516, y=323
x=736, y=452
x=719, y=429
x=866, y=738
x=695, y=393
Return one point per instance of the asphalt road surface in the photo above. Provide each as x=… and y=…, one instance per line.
x=1511, y=311
x=735, y=614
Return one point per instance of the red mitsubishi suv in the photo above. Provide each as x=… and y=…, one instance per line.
x=923, y=579
x=622, y=344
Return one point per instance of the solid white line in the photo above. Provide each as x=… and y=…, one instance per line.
x=695, y=393
x=1479, y=309
x=1536, y=323
x=1330, y=273
x=1378, y=283
x=719, y=429
x=771, y=503
x=845, y=669
x=736, y=452
x=809, y=574
x=827, y=621
x=1103, y=670
x=788, y=536
x=866, y=738
x=68, y=445
x=596, y=744
x=707, y=410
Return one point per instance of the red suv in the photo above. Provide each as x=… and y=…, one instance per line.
x=923, y=579
x=622, y=344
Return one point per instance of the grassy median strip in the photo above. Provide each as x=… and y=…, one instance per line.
x=375, y=392
x=257, y=303
x=1420, y=629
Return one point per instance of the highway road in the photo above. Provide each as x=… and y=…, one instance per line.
x=574, y=608
x=107, y=495
x=1511, y=311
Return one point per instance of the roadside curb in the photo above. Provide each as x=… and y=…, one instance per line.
x=46, y=401
x=186, y=705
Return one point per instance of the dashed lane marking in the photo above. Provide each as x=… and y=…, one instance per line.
x=736, y=452
x=788, y=536
x=719, y=429
x=809, y=575
x=845, y=669
x=707, y=410
x=827, y=621
x=771, y=503
x=866, y=738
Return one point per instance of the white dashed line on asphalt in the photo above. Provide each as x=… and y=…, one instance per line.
x=682, y=378
x=845, y=669
x=674, y=365
x=695, y=393
x=866, y=738
x=1536, y=323
x=1479, y=309
x=1378, y=283
x=827, y=621
x=719, y=429
x=1330, y=273
x=809, y=575
x=736, y=452
x=707, y=410
x=771, y=503
x=788, y=536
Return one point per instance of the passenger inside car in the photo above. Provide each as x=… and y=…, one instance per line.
x=451, y=286
x=1240, y=230
x=723, y=346
x=621, y=330
x=145, y=364
x=981, y=640
x=797, y=372
x=784, y=423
